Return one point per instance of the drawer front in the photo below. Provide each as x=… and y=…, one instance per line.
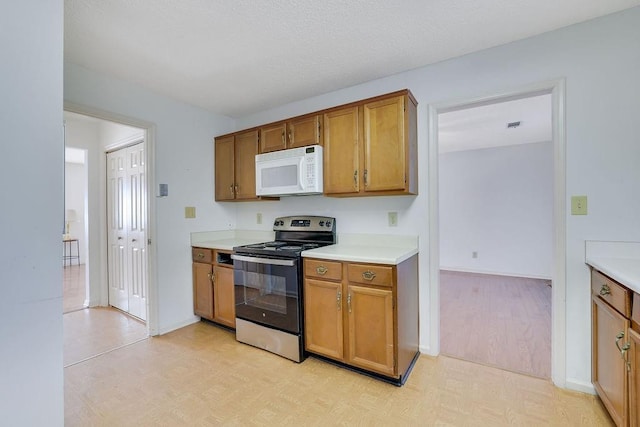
x=201, y=255
x=322, y=269
x=371, y=274
x=612, y=292
x=635, y=315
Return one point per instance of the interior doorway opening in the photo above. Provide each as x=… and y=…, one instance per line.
x=556, y=90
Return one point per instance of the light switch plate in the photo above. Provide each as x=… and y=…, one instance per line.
x=578, y=205
x=259, y=218
x=393, y=219
x=190, y=212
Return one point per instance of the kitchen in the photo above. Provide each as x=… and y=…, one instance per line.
x=600, y=159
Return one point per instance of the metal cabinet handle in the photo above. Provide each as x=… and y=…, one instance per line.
x=365, y=178
x=368, y=275
x=231, y=188
x=349, y=302
x=200, y=255
x=236, y=188
x=623, y=350
x=605, y=290
x=290, y=138
x=355, y=178
x=339, y=300
x=321, y=270
x=134, y=240
x=283, y=141
x=211, y=277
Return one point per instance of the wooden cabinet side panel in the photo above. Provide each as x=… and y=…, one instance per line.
x=371, y=329
x=609, y=373
x=223, y=297
x=341, y=151
x=323, y=318
x=407, y=313
x=246, y=148
x=385, y=153
x=202, y=290
x=634, y=378
x=411, y=130
x=304, y=131
x=224, y=168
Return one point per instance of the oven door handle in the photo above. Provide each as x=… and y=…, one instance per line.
x=257, y=260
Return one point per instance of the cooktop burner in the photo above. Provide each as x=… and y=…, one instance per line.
x=293, y=235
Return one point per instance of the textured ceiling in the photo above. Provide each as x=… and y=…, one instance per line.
x=486, y=126
x=237, y=57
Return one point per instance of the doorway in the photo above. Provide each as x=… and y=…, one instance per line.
x=556, y=90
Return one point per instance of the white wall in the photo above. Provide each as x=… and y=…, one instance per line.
x=31, y=189
x=497, y=202
x=183, y=159
x=599, y=60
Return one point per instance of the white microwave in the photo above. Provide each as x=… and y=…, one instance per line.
x=295, y=171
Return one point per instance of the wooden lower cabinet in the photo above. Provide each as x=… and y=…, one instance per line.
x=363, y=315
x=213, y=291
x=615, y=344
x=634, y=377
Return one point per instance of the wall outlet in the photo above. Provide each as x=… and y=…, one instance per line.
x=190, y=212
x=393, y=219
x=578, y=205
x=259, y=218
x=474, y=254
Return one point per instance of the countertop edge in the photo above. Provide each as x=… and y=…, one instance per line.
x=623, y=270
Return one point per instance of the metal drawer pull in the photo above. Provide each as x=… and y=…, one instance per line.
x=605, y=290
x=368, y=275
x=623, y=350
x=339, y=300
x=322, y=270
x=200, y=255
x=349, y=302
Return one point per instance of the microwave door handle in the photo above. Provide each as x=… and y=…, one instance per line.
x=301, y=173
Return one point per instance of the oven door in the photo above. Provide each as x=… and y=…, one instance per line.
x=267, y=291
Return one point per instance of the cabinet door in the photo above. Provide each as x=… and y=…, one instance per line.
x=634, y=378
x=223, y=296
x=323, y=318
x=246, y=148
x=385, y=145
x=304, y=131
x=341, y=151
x=202, y=290
x=371, y=338
x=273, y=138
x=224, y=168
x=609, y=371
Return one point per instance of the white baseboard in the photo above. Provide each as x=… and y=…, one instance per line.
x=581, y=386
x=494, y=273
x=175, y=326
x=423, y=349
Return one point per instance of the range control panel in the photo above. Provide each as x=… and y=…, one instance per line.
x=306, y=223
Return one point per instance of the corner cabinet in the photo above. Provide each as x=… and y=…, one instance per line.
x=213, y=291
x=364, y=316
x=370, y=148
x=614, y=367
x=235, y=171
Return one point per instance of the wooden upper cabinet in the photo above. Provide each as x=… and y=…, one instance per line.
x=224, y=168
x=342, y=151
x=385, y=148
x=294, y=133
x=235, y=170
x=371, y=147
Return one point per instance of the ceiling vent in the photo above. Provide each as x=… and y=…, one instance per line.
x=513, y=125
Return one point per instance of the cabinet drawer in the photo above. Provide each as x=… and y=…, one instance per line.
x=329, y=270
x=635, y=315
x=371, y=274
x=201, y=255
x=618, y=296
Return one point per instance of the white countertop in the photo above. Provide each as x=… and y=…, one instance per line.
x=228, y=239
x=371, y=248
x=618, y=260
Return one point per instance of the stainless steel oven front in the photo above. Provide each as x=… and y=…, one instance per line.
x=268, y=303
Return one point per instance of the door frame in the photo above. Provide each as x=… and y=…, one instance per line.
x=149, y=141
x=558, y=296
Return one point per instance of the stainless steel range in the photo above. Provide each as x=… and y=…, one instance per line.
x=268, y=284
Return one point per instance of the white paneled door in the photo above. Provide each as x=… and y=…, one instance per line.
x=126, y=211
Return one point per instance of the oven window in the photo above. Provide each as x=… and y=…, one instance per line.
x=268, y=294
x=265, y=291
